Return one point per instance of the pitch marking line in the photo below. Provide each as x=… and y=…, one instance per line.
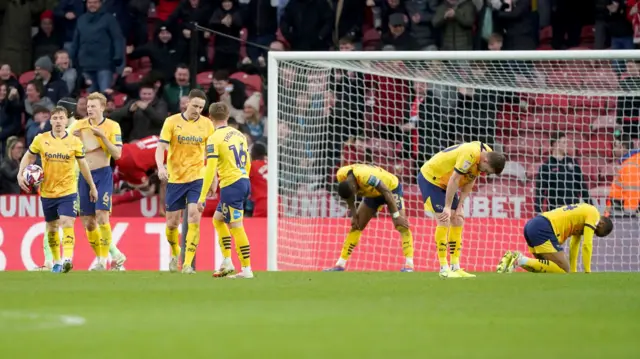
x=12, y=321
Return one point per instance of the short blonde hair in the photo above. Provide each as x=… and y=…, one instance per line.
x=219, y=111
x=98, y=96
x=60, y=109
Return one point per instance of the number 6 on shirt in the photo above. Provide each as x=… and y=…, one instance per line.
x=240, y=155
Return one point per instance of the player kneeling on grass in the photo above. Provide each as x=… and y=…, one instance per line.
x=378, y=187
x=59, y=153
x=546, y=233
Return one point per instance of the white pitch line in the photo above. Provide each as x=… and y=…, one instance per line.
x=12, y=321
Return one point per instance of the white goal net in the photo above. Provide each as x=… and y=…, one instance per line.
x=567, y=122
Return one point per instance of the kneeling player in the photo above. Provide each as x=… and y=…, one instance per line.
x=378, y=187
x=59, y=194
x=545, y=234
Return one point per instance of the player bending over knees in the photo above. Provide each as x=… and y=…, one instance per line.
x=102, y=140
x=184, y=135
x=440, y=178
x=59, y=153
x=378, y=187
x=546, y=233
x=227, y=156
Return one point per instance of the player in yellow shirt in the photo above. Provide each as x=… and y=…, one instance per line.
x=227, y=155
x=184, y=135
x=452, y=169
x=546, y=233
x=378, y=187
x=102, y=140
x=59, y=153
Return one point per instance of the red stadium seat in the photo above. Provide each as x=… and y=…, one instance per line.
x=253, y=83
x=590, y=167
x=575, y=123
x=26, y=77
x=134, y=77
x=204, y=79
x=606, y=123
x=119, y=99
x=384, y=148
x=541, y=121
x=596, y=146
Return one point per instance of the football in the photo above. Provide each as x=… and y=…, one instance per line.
x=33, y=174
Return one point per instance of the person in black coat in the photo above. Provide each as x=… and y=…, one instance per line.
x=10, y=115
x=166, y=51
x=307, y=25
x=10, y=166
x=227, y=19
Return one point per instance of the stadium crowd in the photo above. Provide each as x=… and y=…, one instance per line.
x=135, y=52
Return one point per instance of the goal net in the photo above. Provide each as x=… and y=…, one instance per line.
x=397, y=109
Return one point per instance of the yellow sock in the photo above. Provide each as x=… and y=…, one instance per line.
x=105, y=240
x=193, y=238
x=242, y=246
x=441, y=243
x=94, y=241
x=224, y=238
x=350, y=243
x=68, y=242
x=407, y=242
x=541, y=266
x=174, y=241
x=54, y=244
x=455, y=244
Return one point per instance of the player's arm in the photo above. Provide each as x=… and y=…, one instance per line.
x=466, y=190
x=210, y=170
x=86, y=173
x=452, y=188
x=574, y=251
x=388, y=198
x=29, y=158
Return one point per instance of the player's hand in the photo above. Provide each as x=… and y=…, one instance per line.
x=201, y=206
x=77, y=133
x=162, y=174
x=97, y=132
x=22, y=182
x=355, y=224
x=401, y=221
x=445, y=216
x=93, y=194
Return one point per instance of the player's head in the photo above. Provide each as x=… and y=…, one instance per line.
x=348, y=187
x=197, y=101
x=219, y=112
x=96, y=104
x=59, y=119
x=258, y=151
x=559, y=144
x=604, y=227
x=492, y=163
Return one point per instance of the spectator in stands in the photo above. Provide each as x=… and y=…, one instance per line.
x=39, y=123
x=397, y=36
x=256, y=124
x=81, y=108
x=307, y=25
x=623, y=193
x=178, y=87
x=98, y=46
x=138, y=11
x=618, y=26
x=143, y=116
x=628, y=107
x=54, y=87
x=182, y=19
x=421, y=13
x=258, y=178
x=15, y=32
x=348, y=21
x=66, y=15
x=228, y=90
x=227, y=19
x=383, y=9
x=47, y=41
x=518, y=24
x=8, y=78
x=495, y=42
x=10, y=112
x=166, y=52
x=10, y=166
x=35, y=99
x=566, y=23
x=68, y=74
x=261, y=23
x=184, y=102
x=455, y=20
x=559, y=179
x=424, y=115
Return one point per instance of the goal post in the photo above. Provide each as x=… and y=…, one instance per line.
x=396, y=109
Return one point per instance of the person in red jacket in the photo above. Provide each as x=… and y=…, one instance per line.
x=258, y=178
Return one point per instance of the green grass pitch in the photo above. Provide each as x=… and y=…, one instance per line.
x=319, y=315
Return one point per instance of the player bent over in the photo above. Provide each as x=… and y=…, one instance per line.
x=546, y=233
x=184, y=135
x=102, y=140
x=378, y=187
x=59, y=153
x=226, y=154
x=440, y=178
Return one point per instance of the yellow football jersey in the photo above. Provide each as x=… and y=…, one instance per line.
x=570, y=220
x=58, y=156
x=463, y=158
x=187, y=140
x=230, y=147
x=110, y=128
x=368, y=177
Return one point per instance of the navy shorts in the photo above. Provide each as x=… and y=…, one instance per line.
x=179, y=194
x=232, y=198
x=103, y=178
x=540, y=236
x=377, y=202
x=53, y=208
x=433, y=196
